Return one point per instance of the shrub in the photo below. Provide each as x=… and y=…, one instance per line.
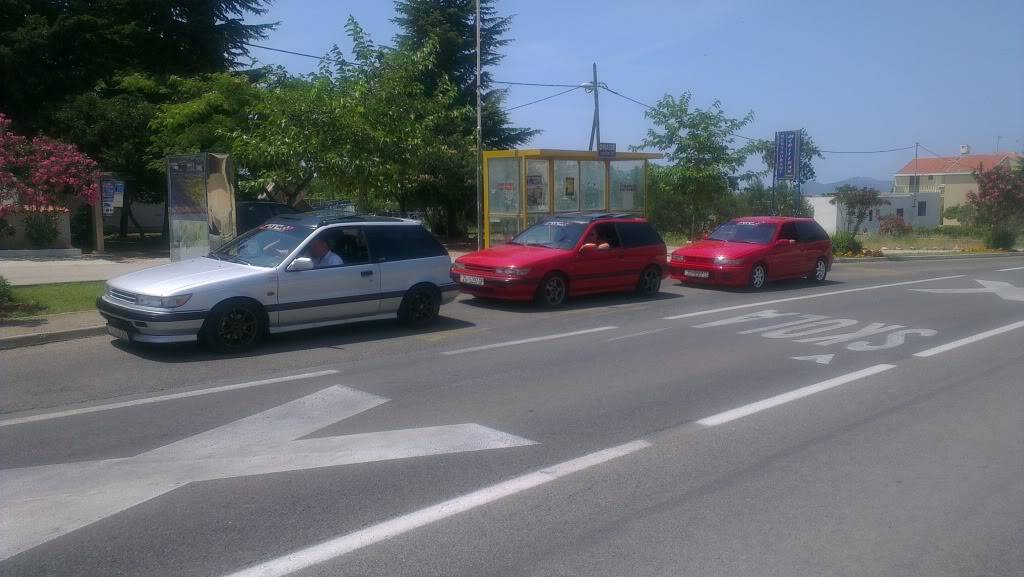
x=41, y=228
x=1000, y=239
x=893, y=225
x=6, y=292
x=845, y=242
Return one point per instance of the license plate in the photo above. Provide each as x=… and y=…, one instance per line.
x=473, y=280
x=119, y=333
x=697, y=273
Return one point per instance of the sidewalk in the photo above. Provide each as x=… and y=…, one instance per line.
x=47, y=329
x=51, y=270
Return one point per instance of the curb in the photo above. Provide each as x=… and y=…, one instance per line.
x=51, y=337
x=904, y=258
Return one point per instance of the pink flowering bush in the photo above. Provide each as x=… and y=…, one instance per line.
x=999, y=200
x=42, y=173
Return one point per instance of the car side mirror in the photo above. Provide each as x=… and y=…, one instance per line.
x=588, y=247
x=300, y=264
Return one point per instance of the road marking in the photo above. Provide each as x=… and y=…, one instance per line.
x=968, y=340
x=640, y=334
x=811, y=296
x=44, y=502
x=160, y=399
x=1009, y=269
x=525, y=341
x=333, y=548
x=1003, y=290
x=745, y=410
x=820, y=359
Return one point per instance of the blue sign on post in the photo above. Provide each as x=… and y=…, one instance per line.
x=787, y=155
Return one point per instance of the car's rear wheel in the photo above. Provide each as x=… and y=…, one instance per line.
x=420, y=306
x=552, y=292
x=758, y=276
x=820, y=271
x=234, y=326
x=650, y=282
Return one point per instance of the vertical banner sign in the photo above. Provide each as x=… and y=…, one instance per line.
x=111, y=195
x=186, y=206
x=787, y=155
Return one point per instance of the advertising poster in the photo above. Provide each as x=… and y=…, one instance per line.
x=186, y=206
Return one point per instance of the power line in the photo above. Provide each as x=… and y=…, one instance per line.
x=281, y=50
x=866, y=151
x=536, y=84
x=626, y=97
x=542, y=99
x=928, y=150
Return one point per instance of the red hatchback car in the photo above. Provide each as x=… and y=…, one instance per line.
x=750, y=251
x=566, y=256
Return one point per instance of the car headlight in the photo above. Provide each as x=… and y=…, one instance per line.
x=162, y=302
x=724, y=260
x=678, y=258
x=512, y=271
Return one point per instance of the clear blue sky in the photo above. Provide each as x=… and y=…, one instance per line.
x=857, y=75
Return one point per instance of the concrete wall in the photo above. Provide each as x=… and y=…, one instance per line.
x=825, y=213
x=833, y=218
x=20, y=241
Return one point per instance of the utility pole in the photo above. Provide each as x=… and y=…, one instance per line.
x=479, y=144
x=595, y=128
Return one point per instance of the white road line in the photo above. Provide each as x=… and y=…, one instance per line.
x=525, y=341
x=160, y=399
x=745, y=410
x=968, y=340
x=1009, y=269
x=640, y=334
x=811, y=296
x=304, y=558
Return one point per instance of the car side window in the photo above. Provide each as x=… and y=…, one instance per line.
x=349, y=243
x=635, y=234
x=810, y=232
x=789, y=232
x=606, y=233
x=402, y=242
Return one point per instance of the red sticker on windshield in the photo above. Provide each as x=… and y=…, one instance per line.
x=277, y=227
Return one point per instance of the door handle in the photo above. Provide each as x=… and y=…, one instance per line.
x=366, y=273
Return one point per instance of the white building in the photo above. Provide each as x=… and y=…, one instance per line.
x=921, y=209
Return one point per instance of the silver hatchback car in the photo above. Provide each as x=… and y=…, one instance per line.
x=293, y=272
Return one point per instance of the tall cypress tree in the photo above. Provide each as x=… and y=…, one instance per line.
x=452, y=24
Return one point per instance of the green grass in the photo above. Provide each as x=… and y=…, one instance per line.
x=50, y=299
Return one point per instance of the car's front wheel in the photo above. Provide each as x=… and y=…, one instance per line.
x=552, y=292
x=758, y=276
x=420, y=306
x=234, y=326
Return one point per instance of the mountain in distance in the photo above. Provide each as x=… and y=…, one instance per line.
x=815, y=188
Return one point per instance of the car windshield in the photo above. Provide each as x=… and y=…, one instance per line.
x=552, y=234
x=266, y=245
x=744, y=231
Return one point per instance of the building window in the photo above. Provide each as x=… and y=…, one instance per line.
x=930, y=177
x=869, y=215
x=899, y=213
x=922, y=208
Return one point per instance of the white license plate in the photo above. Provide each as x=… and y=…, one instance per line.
x=697, y=273
x=119, y=333
x=473, y=280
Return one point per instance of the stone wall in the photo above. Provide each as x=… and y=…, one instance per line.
x=20, y=241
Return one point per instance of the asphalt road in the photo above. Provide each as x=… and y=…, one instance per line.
x=870, y=425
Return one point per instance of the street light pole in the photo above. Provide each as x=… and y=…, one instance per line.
x=479, y=143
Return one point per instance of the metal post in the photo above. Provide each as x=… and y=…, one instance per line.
x=775, y=169
x=915, y=186
x=595, y=128
x=479, y=143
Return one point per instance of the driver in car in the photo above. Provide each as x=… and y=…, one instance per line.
x=593, y=238
x=322, y=254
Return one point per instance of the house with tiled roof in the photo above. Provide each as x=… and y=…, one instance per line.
x=950, y=177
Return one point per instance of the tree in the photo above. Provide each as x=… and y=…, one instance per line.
x=999, y=200
x=41, y=172
x=53, y=50
x=808, y=152
x=857, y=202
x=693, y=189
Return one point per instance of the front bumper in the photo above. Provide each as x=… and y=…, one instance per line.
x=147, y=326
x=495, y=287
x=737, y=275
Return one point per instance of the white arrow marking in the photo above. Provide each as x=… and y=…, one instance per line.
x=43, y=503
x=820, y=359
x=1003, y=290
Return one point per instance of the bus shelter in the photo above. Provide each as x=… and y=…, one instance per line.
x=522, y=187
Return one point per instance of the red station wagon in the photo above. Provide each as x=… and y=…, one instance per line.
x=750, y=251
x=568, y=255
